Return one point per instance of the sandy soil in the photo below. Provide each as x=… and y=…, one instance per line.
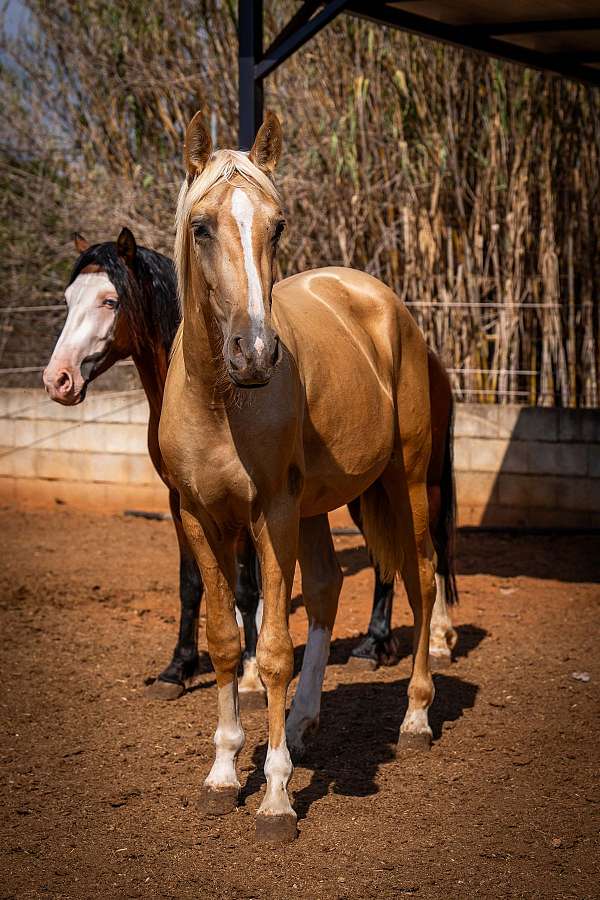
x=99, y=784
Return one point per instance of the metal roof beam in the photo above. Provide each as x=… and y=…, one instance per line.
x=458, y=36
x=273, y=58
x=302, y=15
x=542, y=26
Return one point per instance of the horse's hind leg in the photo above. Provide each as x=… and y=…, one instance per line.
x=321, y=585
x=171, y=682
x=418, y=574
x=443, y=635
x=247, y=597
x=369, y=652
x=410, y=521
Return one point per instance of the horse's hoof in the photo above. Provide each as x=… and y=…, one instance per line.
x=250, y=700
x=217, y=802
x=439, y=661
x=410, y=740
x=362, y=663
x=164, y=690
x=276, y=829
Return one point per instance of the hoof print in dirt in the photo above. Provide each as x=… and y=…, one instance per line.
x=164, y=690
x=214, y=802
x=250, y=700
x=276, y=829
x=410, y=741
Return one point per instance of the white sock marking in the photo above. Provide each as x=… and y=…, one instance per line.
x=250, y=680
x=442, y=634
x=415, y=722
x=243, y=213
x=229, y=739
x=278, y=771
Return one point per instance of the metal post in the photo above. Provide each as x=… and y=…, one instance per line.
x=250, y=24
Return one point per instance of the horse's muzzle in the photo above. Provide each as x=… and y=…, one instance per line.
x=63, y=387
x=251, y=360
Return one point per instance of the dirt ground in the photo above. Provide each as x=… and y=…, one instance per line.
x=100, y=784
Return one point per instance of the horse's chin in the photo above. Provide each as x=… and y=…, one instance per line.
x=73, y=399
x=248, y=385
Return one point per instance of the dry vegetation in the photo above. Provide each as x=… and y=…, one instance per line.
x=468, y=185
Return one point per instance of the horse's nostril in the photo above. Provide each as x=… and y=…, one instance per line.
x=238, y=347
x=64, y=382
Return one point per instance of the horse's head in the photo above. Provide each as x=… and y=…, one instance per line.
x=95, y=334
x=229, y=222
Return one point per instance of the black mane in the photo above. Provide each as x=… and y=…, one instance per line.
x=148, y=296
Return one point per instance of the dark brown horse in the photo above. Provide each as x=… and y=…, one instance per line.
x=122, y=302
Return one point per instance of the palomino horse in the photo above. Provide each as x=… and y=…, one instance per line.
x=138, y=316
x=274, y=414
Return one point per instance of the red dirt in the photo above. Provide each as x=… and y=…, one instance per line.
x=100, y=785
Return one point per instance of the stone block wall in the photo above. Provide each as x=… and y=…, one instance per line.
x=515, y=466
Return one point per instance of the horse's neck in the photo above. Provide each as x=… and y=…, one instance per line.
x=202, y=352
x=151, y=364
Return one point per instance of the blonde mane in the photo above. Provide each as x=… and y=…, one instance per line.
x=223, y=166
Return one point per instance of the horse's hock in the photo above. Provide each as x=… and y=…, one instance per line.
x=516, y=466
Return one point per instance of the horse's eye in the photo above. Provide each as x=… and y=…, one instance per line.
x=278, y=231
x=201, y=232
x=111, y=303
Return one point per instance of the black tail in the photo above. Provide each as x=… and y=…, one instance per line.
x=446, y=528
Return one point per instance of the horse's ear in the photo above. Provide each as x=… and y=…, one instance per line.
x=126, y=246
x=81, y=245
x=197, y=148
x=266, y=149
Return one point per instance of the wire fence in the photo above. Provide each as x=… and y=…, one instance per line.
x=29, y=332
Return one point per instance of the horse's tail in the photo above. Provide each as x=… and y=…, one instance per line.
x=444, y=537
x=381, y=528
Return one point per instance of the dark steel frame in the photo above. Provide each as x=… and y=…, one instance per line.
x=313, y=15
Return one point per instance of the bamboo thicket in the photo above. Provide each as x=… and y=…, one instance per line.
x=468, y=185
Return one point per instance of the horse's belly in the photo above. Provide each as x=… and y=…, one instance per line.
x=344, y=458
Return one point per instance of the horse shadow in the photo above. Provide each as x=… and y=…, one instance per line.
x=469, y=638
x=353, y=559
x=360, y=724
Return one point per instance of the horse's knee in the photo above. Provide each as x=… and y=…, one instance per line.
x=275, y=656
x=225, y=651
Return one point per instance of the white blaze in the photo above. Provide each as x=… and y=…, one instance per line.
x=243, y=213
x=88, y=323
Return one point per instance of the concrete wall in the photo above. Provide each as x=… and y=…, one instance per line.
x=516, y=466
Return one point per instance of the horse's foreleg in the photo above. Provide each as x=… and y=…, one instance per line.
x=276, y=541
x=247, y=597
x=321, y=585
x=443, y=636
x=171, y=682
x=221, y=786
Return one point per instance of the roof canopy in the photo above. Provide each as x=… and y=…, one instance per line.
x=558, y=36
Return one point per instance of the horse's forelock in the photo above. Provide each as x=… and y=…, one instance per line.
x=223, y=166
